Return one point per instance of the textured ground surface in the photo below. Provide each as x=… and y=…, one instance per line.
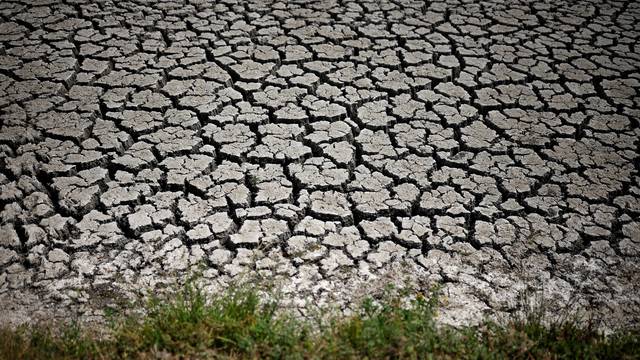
x=334, y=145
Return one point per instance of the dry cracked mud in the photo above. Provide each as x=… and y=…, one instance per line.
x=490, y=147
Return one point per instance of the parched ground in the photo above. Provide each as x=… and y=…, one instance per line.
x=334, y=146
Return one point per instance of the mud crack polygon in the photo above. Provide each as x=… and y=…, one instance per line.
x=490, y=147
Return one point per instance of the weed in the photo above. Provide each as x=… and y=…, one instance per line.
x=240, y=323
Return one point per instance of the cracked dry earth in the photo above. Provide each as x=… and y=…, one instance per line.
x=333, y=146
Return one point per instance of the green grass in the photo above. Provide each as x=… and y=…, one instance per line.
x=238, y=324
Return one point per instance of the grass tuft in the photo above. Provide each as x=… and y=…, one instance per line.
x=240, y=324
